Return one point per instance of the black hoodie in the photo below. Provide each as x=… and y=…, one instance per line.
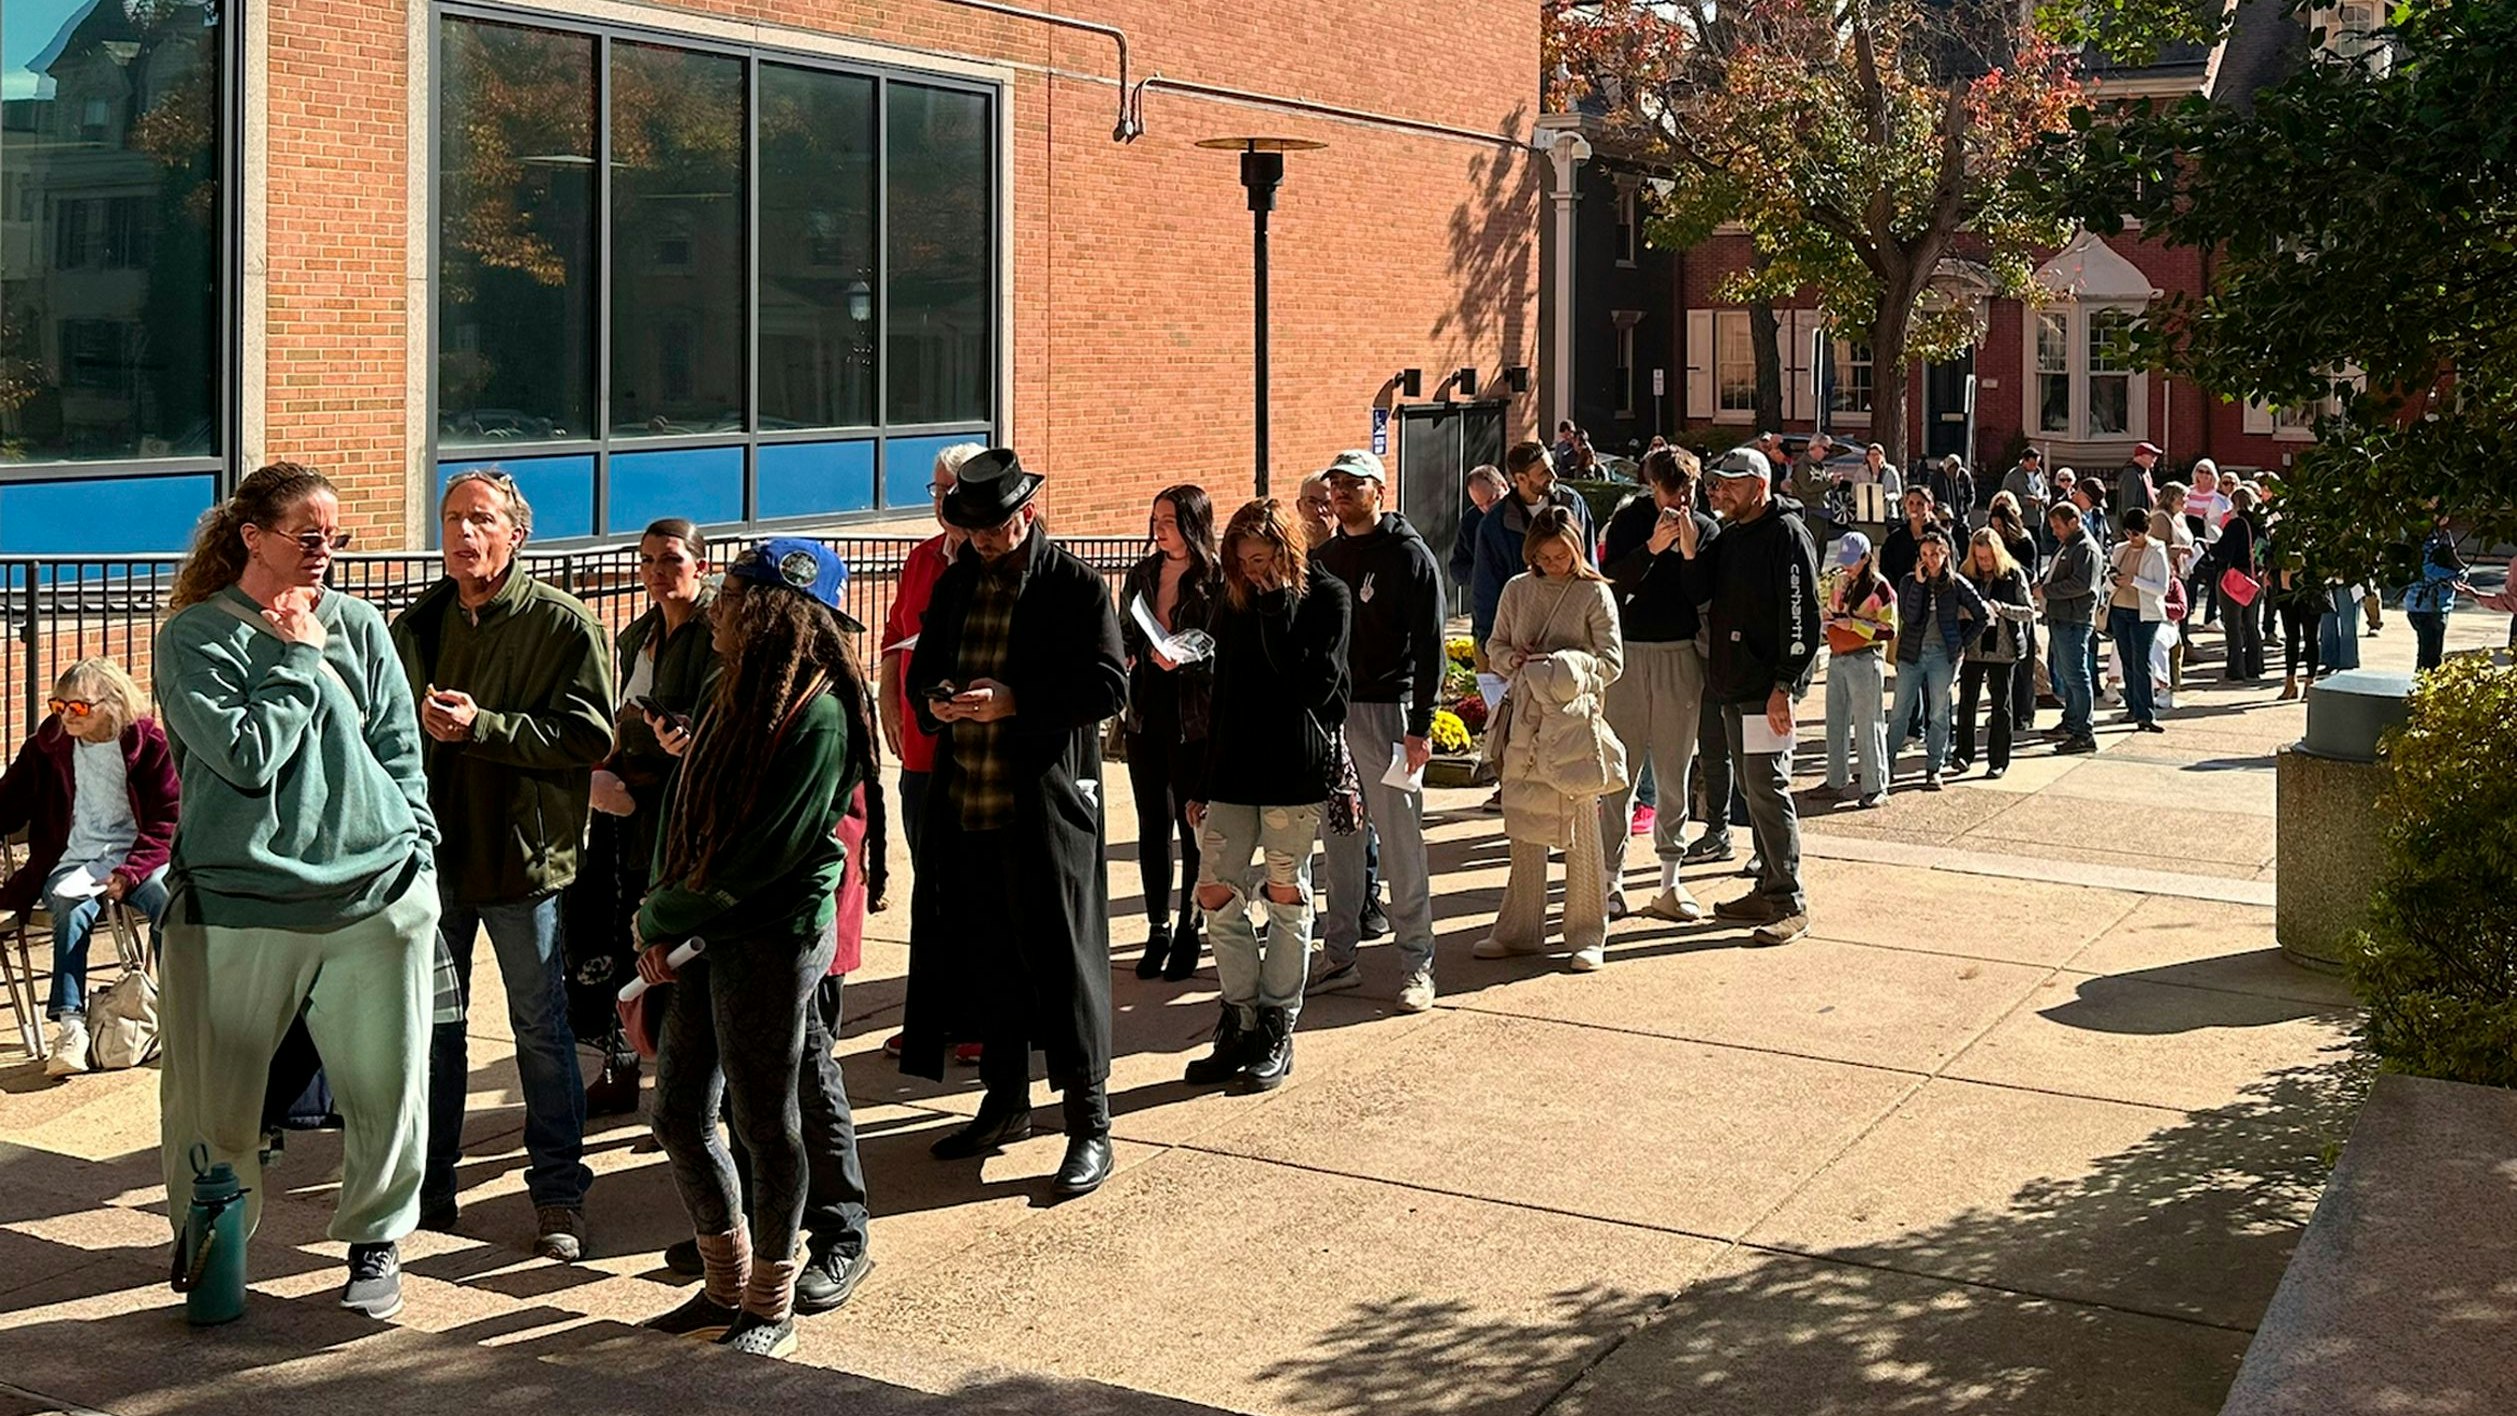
x=1762, y=579
x=1395, y=650
x=1280, y=691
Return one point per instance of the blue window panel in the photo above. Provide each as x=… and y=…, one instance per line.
x=909, y=464
x=103, y=515
x=561, y=490
x=810, y=479
x=704, y=484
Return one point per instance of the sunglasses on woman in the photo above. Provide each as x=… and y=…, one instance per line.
x=313, y=541
x=71, y=709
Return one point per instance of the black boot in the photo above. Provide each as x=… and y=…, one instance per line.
x=1157, y=948
x=1271, y=1051
x=614, y=1091
x=1184, y=946
x=992, y=1129
x=1231, y=1054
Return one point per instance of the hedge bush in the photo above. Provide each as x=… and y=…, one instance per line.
x=2437, y=970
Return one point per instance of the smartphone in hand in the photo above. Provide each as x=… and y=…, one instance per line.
x=943, y=692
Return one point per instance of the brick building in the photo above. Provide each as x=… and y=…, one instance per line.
x=746, y=263
x=2052, y=375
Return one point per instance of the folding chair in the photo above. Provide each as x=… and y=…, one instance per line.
x=17, y=975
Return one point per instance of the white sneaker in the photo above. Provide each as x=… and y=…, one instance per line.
x=1677, y=904
x=1491, y=947
x=1417, y=995
x=1590, y=960
x=69, y=1049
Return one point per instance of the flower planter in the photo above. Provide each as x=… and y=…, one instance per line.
x=1452, y=769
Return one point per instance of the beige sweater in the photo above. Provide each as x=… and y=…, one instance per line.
x=1558, y=643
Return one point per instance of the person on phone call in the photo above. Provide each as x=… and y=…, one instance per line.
x=1394, y=659
x=1761, y=579
x=514, y=681
x=1009, y=919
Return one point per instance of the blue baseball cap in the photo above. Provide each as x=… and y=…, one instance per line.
x=807, y=567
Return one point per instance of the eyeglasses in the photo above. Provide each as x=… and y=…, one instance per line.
x=937, y=489
x=74, y=709
x=313, y=541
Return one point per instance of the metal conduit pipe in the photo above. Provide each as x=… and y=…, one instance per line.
x=1129, y=128
x=1134, y=109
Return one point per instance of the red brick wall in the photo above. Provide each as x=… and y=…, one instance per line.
x=1131, y=264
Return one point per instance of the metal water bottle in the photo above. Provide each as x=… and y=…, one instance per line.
x=210, y=1257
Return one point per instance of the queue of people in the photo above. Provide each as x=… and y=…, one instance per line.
x=332, y=810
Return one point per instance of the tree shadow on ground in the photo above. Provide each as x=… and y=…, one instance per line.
x=2126, y=1285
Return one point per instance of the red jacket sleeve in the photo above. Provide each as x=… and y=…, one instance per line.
x=156, y=796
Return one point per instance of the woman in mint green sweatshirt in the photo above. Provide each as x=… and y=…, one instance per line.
x=301, y=873
x=749, y=860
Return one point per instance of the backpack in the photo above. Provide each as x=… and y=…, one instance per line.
x=122, y=1023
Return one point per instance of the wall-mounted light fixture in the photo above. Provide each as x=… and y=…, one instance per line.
x=860, y=301
x=1410, y=383
x=1465, y=381
x=1516, y=378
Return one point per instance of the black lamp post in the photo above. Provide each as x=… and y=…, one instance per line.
x=1262, y=171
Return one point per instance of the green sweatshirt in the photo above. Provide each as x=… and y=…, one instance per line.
x=780, y=875
x=305, y=806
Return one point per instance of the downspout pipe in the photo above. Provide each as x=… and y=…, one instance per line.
x=1129, y=127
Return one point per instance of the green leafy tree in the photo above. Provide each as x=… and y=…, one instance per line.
x=1860, y=143
x=2362, y=222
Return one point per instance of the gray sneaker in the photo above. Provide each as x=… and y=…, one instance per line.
x=375, y=1286
x=1416, y=994
x=1333, y=978
x=563, y=1232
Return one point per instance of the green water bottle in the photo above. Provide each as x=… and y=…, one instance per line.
x=210, y=1256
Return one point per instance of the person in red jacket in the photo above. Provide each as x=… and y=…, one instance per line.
x=96, y=792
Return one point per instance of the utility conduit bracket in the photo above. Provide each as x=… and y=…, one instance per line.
x=1130, y=126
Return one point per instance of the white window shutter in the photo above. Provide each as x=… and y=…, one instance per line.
x=1799, y=405
x=2258, y=419
x=1699, y=363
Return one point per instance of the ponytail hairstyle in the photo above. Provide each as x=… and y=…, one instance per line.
x=218, y=556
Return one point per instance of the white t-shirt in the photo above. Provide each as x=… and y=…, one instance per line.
x=641, y=673
x=102, y=830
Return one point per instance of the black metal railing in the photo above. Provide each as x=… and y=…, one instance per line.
x=59, y=610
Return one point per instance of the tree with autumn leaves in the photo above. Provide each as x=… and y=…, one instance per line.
x=1863, y=145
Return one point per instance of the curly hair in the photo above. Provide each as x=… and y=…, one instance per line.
x=218, y=555
x=786, y=648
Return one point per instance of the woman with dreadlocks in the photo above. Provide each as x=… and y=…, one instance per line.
x=750, y=861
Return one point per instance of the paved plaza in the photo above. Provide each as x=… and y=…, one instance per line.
x=2029, y=1125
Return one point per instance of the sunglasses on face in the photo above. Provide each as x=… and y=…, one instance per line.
x=71, y=709
x=313, y=541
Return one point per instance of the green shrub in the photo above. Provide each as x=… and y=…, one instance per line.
x=1604, y=497
x=2438, y=967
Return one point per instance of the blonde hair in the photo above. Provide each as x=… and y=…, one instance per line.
x=1274, y=522
x=107, y=685
x=1556, y=523
x=2003, y=562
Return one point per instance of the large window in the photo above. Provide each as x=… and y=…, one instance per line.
x=114, y=259
x=1734, y=362
x=2084, y=380
x=1850, y=379
x=686, y=277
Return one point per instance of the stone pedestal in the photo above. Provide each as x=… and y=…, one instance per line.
x=2327, y=839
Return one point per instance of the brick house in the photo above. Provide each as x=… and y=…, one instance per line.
x=2049, y=375
x=746, y=263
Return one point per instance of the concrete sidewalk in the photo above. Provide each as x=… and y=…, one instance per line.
x=2028, y=1125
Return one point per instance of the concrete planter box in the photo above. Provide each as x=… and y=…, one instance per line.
x=2327, y=834
x=1452, y=769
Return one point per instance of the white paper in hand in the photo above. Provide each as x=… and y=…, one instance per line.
x=1398, y=776
x=81, y=884
x=1187, y=647
x=1757, y=737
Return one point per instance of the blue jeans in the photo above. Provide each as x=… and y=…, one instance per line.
x=2429, y=632
x=525, y=935
x=2338, y=629
x=1929, y=680
x=2072, y=681
x=74, y=922
x=1246, y=850
x=2132, y=635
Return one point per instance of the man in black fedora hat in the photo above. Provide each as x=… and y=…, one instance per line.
x=1018, y=665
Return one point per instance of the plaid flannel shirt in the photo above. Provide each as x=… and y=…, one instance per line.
x=985, y=788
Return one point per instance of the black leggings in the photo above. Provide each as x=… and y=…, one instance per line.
x=1154, y=770
x=1976, y=679
x=751, y=994
x=2298, y=627
x=834, y=1179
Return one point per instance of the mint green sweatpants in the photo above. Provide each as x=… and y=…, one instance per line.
x=228, y=997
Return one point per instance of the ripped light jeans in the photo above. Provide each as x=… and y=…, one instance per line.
x=1244, y=849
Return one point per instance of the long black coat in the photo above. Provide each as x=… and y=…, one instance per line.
x=1068, y=675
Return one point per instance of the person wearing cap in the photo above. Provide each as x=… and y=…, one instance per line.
x=1761, y=577
x=514, y=682
x=1395, y=662
x=749, y=863
x=1655, y=706
x=1861, y=619
x=1009, y=923
x=2134, y=491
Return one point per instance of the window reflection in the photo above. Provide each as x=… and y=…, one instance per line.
x=942, y=217
x=817, y=179
x=110, y=235
x=516, y=282
x=677, y=242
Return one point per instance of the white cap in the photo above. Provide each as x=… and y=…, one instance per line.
x=1744, y=462
x=1356, y=462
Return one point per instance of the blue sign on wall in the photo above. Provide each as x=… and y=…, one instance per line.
x=1380, y=432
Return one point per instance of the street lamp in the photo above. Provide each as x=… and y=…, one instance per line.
x=1262, y=170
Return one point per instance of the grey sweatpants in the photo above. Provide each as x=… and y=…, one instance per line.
x=1655, y=708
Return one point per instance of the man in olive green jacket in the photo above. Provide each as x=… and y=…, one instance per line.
x=514, y=681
